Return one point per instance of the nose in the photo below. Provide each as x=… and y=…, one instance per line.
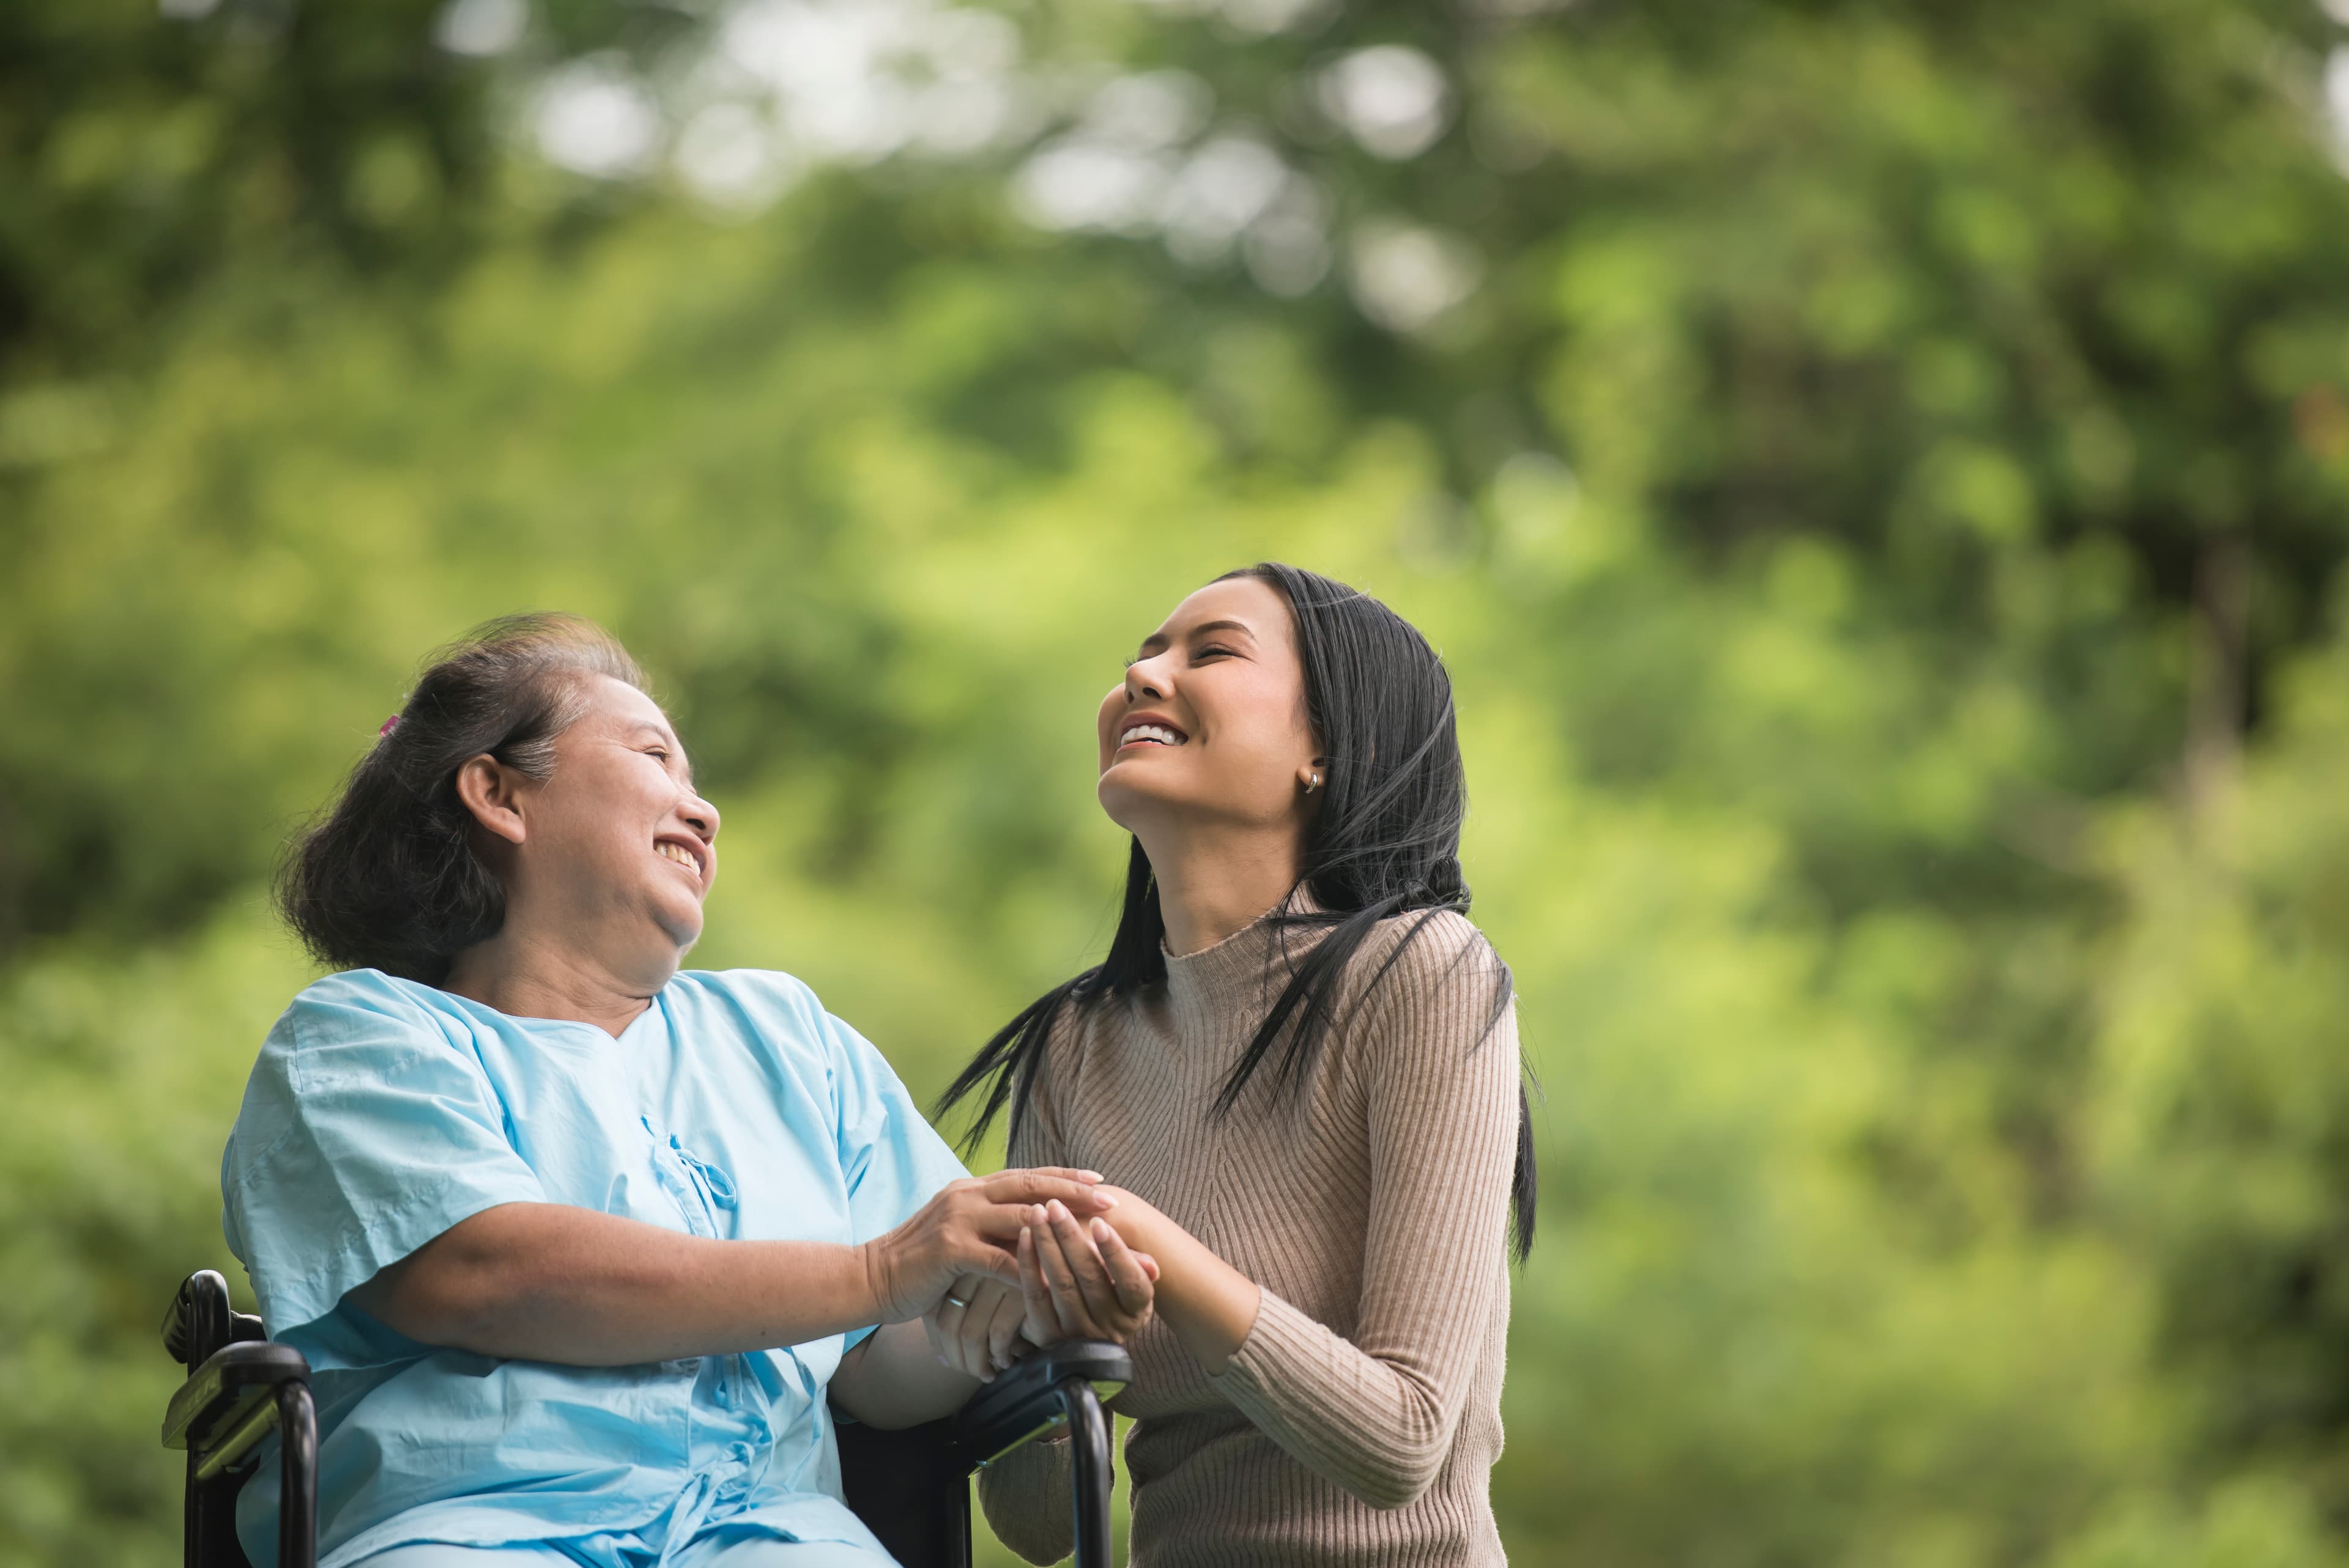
x=1145, y=678
x=701, y=816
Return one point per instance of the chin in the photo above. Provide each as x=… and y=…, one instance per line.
x=682, y=927
x=1129, y=800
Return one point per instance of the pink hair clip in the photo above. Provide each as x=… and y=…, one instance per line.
x=389, y=726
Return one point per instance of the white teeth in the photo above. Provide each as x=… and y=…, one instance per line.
x=678, y=854
x=1158, y=733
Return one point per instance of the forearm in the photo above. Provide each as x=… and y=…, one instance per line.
x=1374, y=1417
x=1209, y=1305
x=895, y=1379
x=543, y=1281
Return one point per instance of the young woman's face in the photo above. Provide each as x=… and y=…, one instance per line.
x=1209, y=724
x=617, y=838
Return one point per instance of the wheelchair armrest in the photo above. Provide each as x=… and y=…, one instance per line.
x=225, y=1410
x=1025, y=1401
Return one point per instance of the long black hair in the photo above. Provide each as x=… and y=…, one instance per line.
x=1385, y=843
x=390, y=878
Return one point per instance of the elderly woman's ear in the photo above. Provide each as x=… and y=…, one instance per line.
x=491, y=791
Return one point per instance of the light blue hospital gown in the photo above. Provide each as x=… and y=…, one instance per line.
x=382, y=1112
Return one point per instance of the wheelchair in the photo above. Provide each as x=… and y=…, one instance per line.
x=911, y=1488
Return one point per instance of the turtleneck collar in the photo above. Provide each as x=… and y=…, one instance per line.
x=1230, y=985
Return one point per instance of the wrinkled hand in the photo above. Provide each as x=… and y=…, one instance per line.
x=1080, y=1281
x=974, y=1327
x=970, y=1227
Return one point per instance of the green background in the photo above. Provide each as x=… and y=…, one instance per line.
x=1877, y=475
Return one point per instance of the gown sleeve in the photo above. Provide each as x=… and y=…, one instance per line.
x=1025, y=1494
x=365, y=1132
x=893, y=1161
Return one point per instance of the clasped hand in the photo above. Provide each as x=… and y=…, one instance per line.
x=1077, y=1279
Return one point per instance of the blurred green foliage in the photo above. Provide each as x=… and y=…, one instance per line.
x=1881, y=501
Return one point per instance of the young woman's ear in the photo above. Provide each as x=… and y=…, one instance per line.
x=488, y=788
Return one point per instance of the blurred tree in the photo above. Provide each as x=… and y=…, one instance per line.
x=2222, y=1113
x=1868, y=465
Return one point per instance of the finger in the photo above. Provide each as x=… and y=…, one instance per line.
x=1094, y=1284
x=1060, y=1284
x=946, y=1344
x=1003, y=1331
x=950, y=1348
x=1043, y=1185
x=1011, y=1181
x=1041, y=1323
x=1062, y=1271
x=1132, y=1283
x=941, y=1347
x=993, y=1257
x=970, y=1325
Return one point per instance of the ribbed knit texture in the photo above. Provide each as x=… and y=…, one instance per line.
x=1359, y=1423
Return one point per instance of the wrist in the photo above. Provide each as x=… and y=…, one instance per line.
x=876, y=1273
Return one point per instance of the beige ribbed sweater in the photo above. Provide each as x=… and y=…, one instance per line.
x=1359, y=1423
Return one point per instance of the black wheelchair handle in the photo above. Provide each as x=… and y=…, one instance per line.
x=241, y=1388
x=1026, y=1401
x=200, y=1320
x=1089, y=1469
x=1061, y=1384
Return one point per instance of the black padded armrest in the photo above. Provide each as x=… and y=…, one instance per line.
x=1025, y=1401
x=221, y=1413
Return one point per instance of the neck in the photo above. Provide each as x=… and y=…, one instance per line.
x=524, y=975
x=1216, y=880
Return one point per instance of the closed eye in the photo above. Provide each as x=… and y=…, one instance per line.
x=1211, y=651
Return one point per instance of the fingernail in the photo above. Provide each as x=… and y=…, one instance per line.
x=1092, y=1175
x=1106, y=1199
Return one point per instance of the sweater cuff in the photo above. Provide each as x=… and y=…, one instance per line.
x=1285, y=1351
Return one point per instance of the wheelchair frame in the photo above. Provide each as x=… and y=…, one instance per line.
x=911, y=1488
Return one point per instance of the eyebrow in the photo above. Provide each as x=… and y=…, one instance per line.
x=1158, y=639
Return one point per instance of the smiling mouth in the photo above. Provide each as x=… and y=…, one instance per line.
x=680, y=854
x=1150, y=735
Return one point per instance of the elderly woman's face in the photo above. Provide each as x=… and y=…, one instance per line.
x=618, y=841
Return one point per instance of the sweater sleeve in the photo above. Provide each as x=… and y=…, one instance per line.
x=1025, y=1494
x=1376, y=1414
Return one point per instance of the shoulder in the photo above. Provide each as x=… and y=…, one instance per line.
x=763, y=993
x=365, y=991
x=1431, y=948
x=1427, y=970
x=777, y=1013
x=352, y=1034
x=364, y=1005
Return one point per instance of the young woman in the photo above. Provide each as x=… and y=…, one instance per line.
x=576, y=1243
x=1300, y=1065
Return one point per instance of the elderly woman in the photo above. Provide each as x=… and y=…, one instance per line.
x=575, y=1243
